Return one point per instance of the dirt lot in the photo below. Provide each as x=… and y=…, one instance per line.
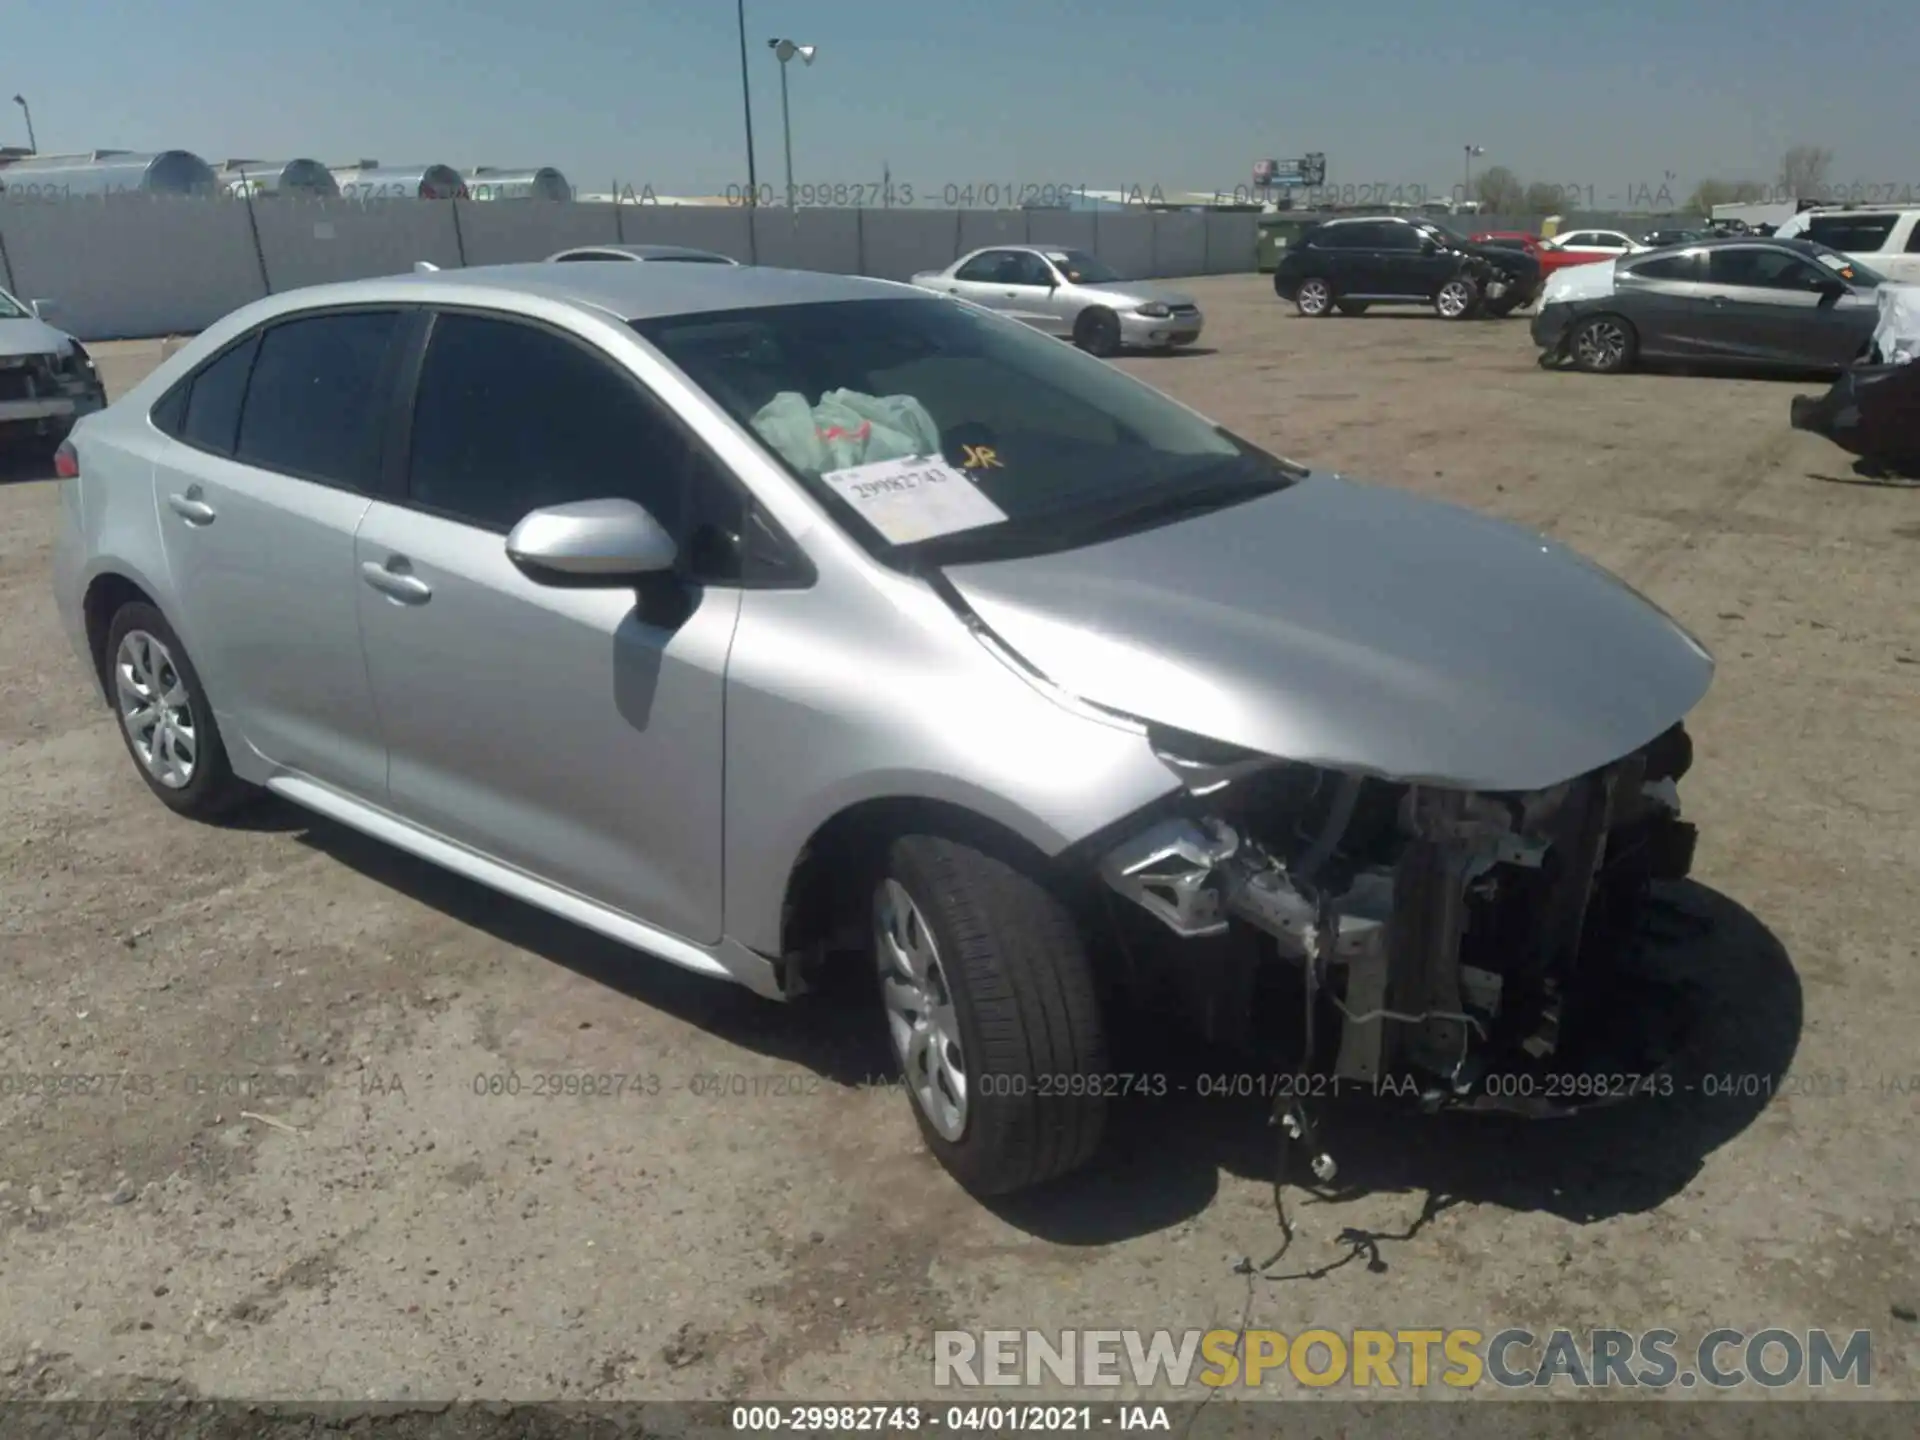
x=367, y=1222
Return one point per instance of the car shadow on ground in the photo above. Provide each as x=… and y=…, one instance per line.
x=23, y=462
x=1177, y=352
x=1708, y=960
x=1886, y=475
x=837, y=1032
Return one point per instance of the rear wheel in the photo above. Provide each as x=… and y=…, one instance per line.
x=1603, y=345
x=1457, y=299
x=165, y=719
x=1097, y=332
x=1352, y=307
x=991, y=1007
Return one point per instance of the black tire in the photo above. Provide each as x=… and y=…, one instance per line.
x=1016, y=977
x=1603, y=344
x=1458, y=298
x=211, y=788
x=1097, y=332
x=1351, y=307
x=1314, y=297
x=1501, y=308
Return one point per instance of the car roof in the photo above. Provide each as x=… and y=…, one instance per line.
x=640, y=252
x=630, y=292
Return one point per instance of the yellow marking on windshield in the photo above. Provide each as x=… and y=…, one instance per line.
x=980, y=457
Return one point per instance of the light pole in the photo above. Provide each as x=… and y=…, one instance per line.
x=785, y=50
x=1466, y=189
x=746, y=104
x=33, y=145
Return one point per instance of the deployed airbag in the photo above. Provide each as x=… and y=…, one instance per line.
x=845, y=429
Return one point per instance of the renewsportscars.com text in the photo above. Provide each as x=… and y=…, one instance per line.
x=1412, y=1358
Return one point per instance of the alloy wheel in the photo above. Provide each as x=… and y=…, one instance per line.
x=920, y=1013
x=1454, y=298
x=156, y=710
x=1601, y=345
x=1314, y=297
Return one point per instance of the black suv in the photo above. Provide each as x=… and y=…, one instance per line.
x=1347, y=265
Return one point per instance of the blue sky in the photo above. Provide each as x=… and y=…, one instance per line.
x=1122, y=92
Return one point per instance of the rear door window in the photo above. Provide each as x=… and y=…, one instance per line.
x=315, y=407
x=212, y=419
x=1671, y=267
x=983, y=269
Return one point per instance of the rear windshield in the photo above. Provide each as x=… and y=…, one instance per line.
x=846, y=393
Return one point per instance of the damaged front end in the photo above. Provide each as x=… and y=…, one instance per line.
x=1435, y=937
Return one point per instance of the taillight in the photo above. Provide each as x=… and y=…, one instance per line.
x=66, y=461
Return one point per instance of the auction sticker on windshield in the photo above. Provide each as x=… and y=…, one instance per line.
x=914, y=499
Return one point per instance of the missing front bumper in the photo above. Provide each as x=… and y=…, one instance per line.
x=1453, y=958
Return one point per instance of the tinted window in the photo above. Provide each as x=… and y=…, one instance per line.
x=591, y=255
x=1333, y=237
x=314, y=408
x=1913, y=239
x=1399, y=237
x=212, y=418
x=171, y=409
x=509, y=418
x=984, y=268
x=1762, y=269
x=1851, y=232
x=1670, y=267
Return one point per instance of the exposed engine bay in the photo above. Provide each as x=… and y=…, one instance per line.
x=1437, y=937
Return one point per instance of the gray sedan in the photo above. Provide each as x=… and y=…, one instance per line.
x=1785, y=304
x=765, y=620
x=1071, y=294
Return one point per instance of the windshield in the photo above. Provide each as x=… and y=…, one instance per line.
x=1845, y=266
x=11, y=309
x=931, y=428
x=1080, y=268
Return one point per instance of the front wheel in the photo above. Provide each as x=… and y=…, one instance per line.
x=1457, y=299
x=1098, y=333
x=1314, y=298
x=993, y=1013
x=1603, y=345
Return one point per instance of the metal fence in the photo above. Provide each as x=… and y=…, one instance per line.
x=142, y=266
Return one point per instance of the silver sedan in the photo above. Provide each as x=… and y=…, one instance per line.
x=1071, y=294
x=763, y=619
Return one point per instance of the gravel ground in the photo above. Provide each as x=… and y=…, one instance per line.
x=360, y=1219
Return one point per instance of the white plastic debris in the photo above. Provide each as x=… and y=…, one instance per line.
x=1897, y=336
x=1592, y=281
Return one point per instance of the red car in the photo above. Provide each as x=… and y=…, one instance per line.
x=1510, y=240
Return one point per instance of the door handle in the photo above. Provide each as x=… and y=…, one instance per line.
x=190, y=508
x=410, y=589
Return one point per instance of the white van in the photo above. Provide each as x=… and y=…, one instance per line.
x=1882, y=237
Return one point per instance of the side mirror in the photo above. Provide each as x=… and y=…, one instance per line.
x=590, y=542
x=42, y=308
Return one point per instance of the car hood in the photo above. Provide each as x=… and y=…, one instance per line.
x=1358, y=628
x=1141, y=292
x=1516, y=262
x=27, y=336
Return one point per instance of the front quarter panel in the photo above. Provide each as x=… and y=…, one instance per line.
x=867, y=686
